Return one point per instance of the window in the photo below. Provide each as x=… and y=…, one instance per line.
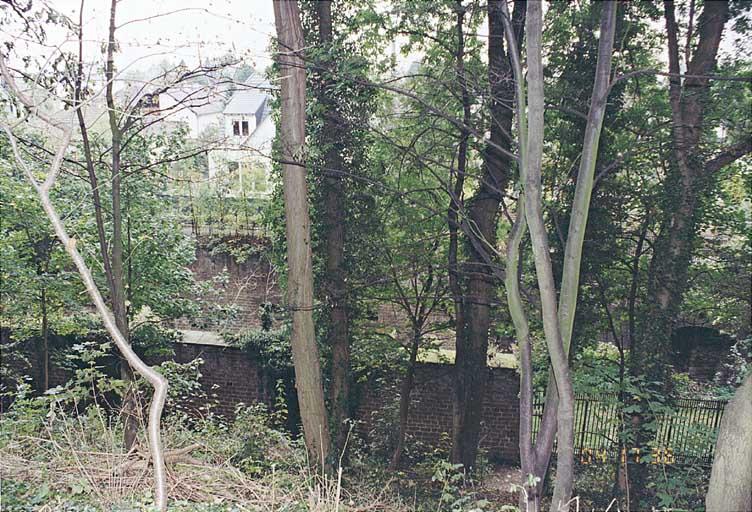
x=241, y=128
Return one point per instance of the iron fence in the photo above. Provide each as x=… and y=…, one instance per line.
x=685, y=436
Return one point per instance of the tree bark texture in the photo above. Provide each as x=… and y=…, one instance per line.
x=530, y=498
x=469, y=384
x=731, y=477
x=405, y=391
x=298, y=227
x=481, y=220
x=541, y=253
x=683, y=188
x=335, y=231
x=117, y=288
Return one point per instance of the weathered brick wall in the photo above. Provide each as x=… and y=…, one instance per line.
x=234, y=377
x=228, y=376
x=249, y=284
x=430, y=418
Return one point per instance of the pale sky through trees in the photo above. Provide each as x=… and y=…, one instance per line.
x=175, y=30
x=153, y=31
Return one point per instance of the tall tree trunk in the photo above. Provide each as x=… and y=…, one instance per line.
x=45, y=342
x=530, y=498
x=117, y=289
x=469, y=371
x=305, y=352
x=482, y=213
x=731, y=477
x=335, y=226
x=542, y=257
x=577, y=227
x=687, y=182
x=90, y=168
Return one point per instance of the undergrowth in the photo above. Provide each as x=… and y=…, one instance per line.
x=64, y=451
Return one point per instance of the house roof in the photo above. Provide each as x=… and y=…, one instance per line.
x=250, y=96
x=200, y=99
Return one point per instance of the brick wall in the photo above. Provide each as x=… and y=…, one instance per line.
x=228, y=373
x=234, y=377
x=249, y=284
x=430, y=418
x=230, y=376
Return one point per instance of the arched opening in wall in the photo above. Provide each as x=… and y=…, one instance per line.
x=700, y=351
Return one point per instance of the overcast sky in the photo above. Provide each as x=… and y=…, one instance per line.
x=152, y=31
x=155, y=30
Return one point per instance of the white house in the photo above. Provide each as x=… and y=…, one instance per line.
x=197, y=107
x=244, y=155
x=232, y=121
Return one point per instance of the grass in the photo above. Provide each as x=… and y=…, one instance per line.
x=67, y=461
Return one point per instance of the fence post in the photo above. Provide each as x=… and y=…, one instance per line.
x=583, y=429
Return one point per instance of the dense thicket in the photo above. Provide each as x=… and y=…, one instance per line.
x=418, y=145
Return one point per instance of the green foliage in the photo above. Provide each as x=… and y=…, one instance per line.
x=381, y=438
x=454, y=496
x=263, y=448
x=35, y=272
x=736, y=369
x=185, y=396
x=272, y=348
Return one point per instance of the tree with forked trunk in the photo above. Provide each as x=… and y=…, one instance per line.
x=43, y=188
x=557, y=319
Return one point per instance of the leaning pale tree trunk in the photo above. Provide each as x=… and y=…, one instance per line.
x=43, y=189
x=305, y=352
x=535, y=461
x=731, y=476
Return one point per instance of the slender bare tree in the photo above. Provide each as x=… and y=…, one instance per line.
x=158, y=382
